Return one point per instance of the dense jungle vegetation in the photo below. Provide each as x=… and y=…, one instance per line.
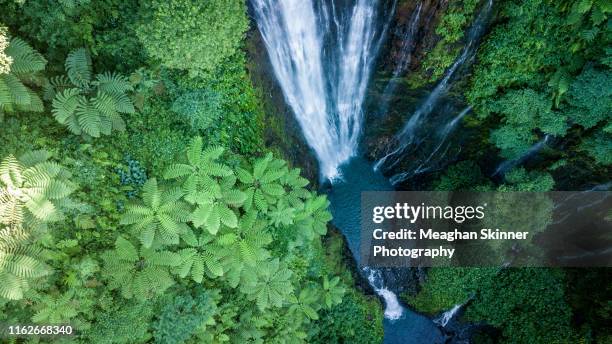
x=138, y=201
x=542, y=70
x=141, y=202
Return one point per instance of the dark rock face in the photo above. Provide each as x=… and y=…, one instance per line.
x=381, y=128
x=282, y=131
x=426, y=37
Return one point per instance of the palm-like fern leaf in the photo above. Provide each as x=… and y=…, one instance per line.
x=20, y=262
x=160, y=217
x=26, y=60
x=25, y=64
x=33, y=190
x=86, y=107
x=78, y=66
x=140, y=273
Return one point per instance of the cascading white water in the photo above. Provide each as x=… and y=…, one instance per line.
x=322, y=55
x=405, y=55
x=407, y=135
x=507, y=165
x=393, y=309
x=443, y=134
x=447, y=316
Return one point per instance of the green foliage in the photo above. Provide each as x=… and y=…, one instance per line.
x=182, y=315
x=209, y=185
x=191, y=35
x=465, y=175
x=455, y=19
x=524, y=110
x=352, y=321
x=33, y=191
x=201, y=256
x=141, y=274
x=273, y=286
x=589, y=97
x=128, y=323
x=527, y=304
x=519, y=179
x=599, y=147
x=56, y=309
x=21, y=262
x=446, y=287
x=160, y=218
x=18, y=77
x=89, y=107
x=558, y=82
x=450, y=28
x=201, y=108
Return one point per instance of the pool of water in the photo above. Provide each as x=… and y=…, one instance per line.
x=345, y=196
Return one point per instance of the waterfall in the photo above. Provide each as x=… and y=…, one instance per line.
x=442, y=136
x=405, y=55
x=406, y=136
x=507, y=165
x=393, y=309
x=322, y=55
x=448, y=316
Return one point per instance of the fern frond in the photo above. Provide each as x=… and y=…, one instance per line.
x=78, y=67
x=112, y=83
x=26, y=60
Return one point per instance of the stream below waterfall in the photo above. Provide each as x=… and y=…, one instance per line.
x=401, y=325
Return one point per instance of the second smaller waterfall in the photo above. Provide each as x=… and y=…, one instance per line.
x=405, y=54
x=407, y=136
x=447, y=316
x=393, y=309
x=507, y=165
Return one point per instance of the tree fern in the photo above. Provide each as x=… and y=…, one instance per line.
x=202, y=256
x=305, y=304
x=160, y=217
x=88, y=105
x=208, y=184
x=15, y=85
x=56, y=309
x=246, y=247
x=33, y=190
x=139, y=273
x=273, y=286
x=262, y=183
x=21, y=262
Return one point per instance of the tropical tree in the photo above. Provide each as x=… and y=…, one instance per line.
x=33, y=190
x=273, y=286
x=139, y=273
x=246, y=248
x=192, y=35
x=200, y=257
x=88, y=105
x=209, y=184
x=263, y=183
x=160, y=217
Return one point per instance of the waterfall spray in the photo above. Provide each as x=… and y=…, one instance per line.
x=322, y=55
